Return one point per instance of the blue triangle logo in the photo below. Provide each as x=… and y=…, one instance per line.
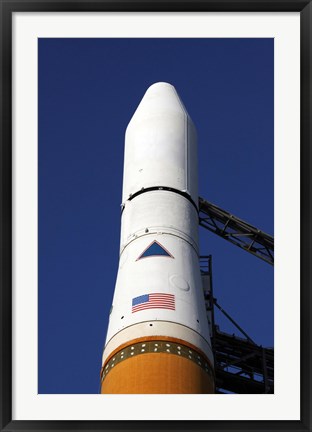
x=154, y=249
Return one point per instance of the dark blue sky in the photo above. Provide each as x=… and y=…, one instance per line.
x=88, y=91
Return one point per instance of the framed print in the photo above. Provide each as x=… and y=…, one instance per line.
x=93, y=190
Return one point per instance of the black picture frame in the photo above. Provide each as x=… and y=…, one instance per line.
x=8, y=7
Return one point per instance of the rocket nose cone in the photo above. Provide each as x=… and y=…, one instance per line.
x=160, y=144
x=160, y=99
x=160, y=86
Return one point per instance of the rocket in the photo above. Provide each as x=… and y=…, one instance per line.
x=158, y=338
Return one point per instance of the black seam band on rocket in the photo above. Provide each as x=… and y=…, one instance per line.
x=165, y=188
x=156, y=347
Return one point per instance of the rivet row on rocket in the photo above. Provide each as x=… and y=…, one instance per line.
x=158, y=337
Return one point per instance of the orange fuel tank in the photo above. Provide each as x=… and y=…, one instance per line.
x=157, y=366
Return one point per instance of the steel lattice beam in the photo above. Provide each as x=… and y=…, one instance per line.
x=236, y=231
x=241, y=366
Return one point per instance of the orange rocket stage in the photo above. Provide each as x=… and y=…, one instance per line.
x=157, y=366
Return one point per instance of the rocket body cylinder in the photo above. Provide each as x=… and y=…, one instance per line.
x=158, y=337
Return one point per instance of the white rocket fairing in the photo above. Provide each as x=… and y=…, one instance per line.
x=158, y=338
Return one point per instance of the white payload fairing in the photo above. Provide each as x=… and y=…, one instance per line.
x=158, y=337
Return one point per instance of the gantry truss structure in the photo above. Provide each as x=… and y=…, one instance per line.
x=236, y=231
x=241, y=366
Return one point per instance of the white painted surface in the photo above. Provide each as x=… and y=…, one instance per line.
x=154, y=275
x=158, y=328
x=161, y=147
x=160, y=150
x=159, y=211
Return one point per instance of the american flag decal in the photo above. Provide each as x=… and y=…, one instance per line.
x=153, y=301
